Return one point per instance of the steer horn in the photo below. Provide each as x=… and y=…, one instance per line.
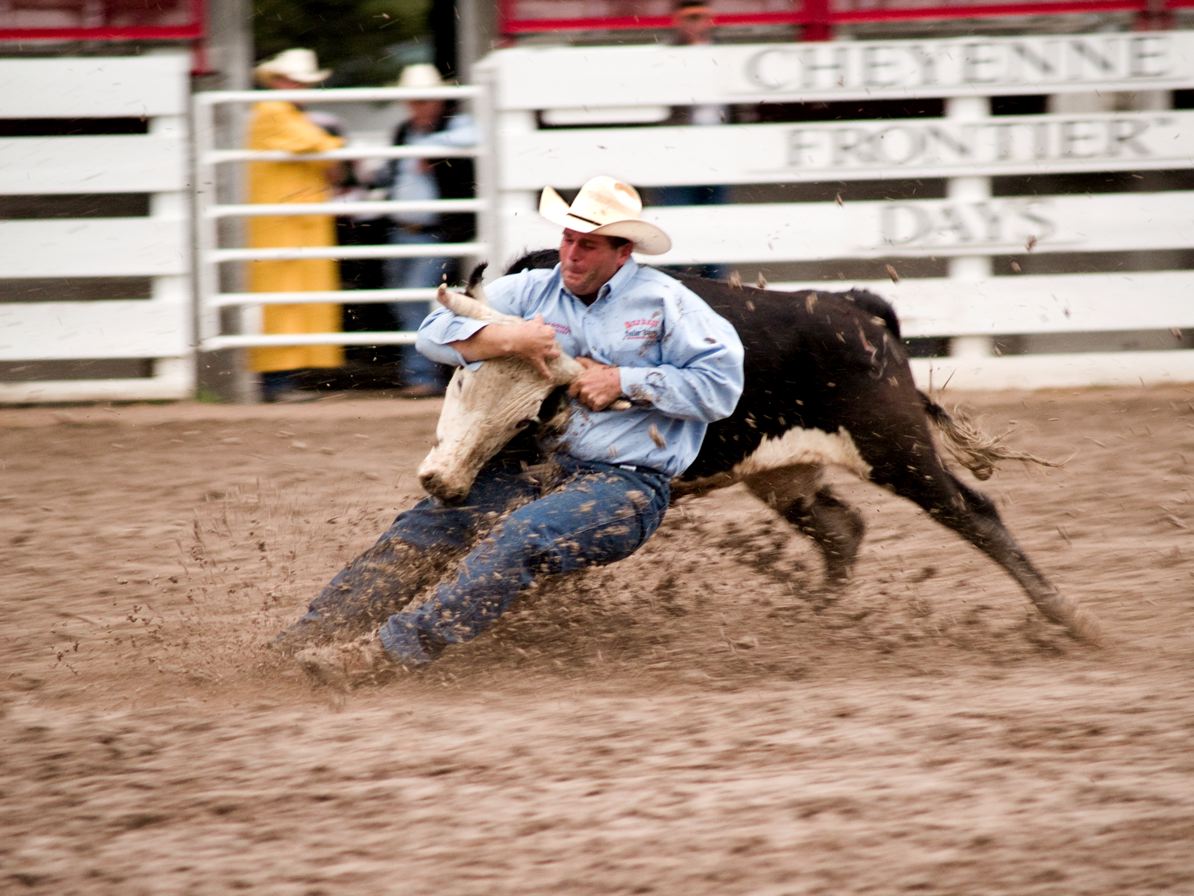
x=467, y=306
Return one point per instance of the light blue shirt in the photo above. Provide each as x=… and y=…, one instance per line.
x=679, y=361
x=413, y=182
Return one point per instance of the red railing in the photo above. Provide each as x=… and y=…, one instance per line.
x=103, y=20
x=816, y=19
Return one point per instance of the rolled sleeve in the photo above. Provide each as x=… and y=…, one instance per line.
x=442, y=327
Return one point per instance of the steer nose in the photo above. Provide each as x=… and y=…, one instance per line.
x=435, y=486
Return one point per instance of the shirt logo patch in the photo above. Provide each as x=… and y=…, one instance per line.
x=562, y=329
x=643, y=329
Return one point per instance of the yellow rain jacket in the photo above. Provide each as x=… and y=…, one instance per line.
x=283, y=126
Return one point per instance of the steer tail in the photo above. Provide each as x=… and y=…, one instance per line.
x=970, y=446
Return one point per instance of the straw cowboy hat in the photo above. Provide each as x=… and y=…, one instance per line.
x=296, y=64
x=606, y=207
x=421, y=75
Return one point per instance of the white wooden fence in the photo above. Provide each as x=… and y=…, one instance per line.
x=58, y=342
x=609, y=96
x=555, y=116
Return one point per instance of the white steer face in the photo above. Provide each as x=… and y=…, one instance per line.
x=483, y=410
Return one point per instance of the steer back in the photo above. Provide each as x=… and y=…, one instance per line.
x=806, y=353
x=485, y=406
x=815, y=360
x=826, y=381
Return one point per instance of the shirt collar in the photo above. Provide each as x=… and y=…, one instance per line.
x=621, y=279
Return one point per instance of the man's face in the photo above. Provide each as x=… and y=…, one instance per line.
x=588, y=261
x=425, y=114
x=694, y=25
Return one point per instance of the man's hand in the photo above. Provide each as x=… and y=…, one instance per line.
x=598, y=386
x=532, y=340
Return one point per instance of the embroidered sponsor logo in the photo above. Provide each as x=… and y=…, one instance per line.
x=562, y=329
x=646, y=329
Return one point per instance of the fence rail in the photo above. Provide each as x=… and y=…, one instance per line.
x=1032, y=281
x=1052, y=247
x=216, y=166
x=96, y=304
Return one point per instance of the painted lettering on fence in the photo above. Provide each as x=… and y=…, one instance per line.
x=993, y=141
x=991, y=62
x=984, y=224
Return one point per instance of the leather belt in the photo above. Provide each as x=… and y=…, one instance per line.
x=639, y=468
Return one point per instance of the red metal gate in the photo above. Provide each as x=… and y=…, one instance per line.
x=166, y=20
x=807, y=19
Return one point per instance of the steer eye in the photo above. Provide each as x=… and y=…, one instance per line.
x=525, y=422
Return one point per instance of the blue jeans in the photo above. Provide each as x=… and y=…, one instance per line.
x=275, y=383
x=415, y=273
x=515, y=526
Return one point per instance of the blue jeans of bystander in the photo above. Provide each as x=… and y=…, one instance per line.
x=414, y=273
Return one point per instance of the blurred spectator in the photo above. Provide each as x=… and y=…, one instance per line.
x=368, y=366
x=692, y=24
x=277, y=125
x=429, y=122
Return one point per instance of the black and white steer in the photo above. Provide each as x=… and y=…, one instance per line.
x=827, y=382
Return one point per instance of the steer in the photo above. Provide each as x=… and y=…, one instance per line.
x=827, y=383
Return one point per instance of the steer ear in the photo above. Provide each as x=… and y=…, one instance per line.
x=475, y=280
x=467, y=306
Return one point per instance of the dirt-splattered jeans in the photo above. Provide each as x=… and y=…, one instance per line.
x=515, y=525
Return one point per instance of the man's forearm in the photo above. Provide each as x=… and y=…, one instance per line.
x=532, y=340
x=488, y=342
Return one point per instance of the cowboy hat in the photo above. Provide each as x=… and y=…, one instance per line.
x=422, y=75
x=606, y=207
x=296, y=64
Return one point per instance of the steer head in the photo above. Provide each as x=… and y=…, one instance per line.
x=484, y=408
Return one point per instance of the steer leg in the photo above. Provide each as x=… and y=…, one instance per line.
x=809, y=506
x=835, y=526
x=919, y=475
x=976, y=519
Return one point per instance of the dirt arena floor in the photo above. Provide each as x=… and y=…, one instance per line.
x=695, y=720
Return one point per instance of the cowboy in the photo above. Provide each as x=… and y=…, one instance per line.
x=603, y=487
x=429, y=122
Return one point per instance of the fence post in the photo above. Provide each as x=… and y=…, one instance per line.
x=969, y=268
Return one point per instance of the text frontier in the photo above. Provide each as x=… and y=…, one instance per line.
x=949, y=144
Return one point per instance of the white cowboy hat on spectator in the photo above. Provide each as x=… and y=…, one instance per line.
x=421, y=75
x=296, y=64
x=606, y=207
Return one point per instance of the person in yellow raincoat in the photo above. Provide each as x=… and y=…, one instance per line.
x=279, y=125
